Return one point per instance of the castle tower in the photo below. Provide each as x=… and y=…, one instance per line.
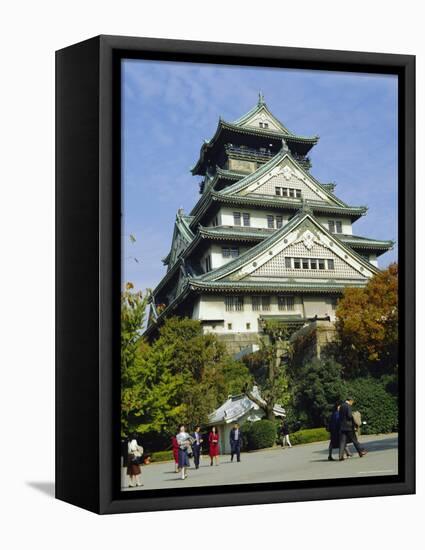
x=266, y=240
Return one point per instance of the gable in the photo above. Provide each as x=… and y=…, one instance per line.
x=307, y=240
x=262, y=120
x=286, y=175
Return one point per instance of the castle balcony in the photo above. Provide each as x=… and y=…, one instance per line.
x=261, y=155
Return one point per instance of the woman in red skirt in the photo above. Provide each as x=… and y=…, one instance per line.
x=175, y=447
x=213, y=439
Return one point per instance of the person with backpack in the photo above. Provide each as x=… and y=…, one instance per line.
x=134, y=460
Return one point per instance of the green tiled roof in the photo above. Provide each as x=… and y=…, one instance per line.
x=264, y=201
x=221, y=232
x=365, y=242
x=247, y=130
x=268, y=166
x=287, y=286
x=241, y=260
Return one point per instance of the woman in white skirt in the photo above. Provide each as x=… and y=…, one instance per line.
x=135, y=453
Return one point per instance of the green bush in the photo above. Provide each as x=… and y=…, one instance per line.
x=160, y=456
x=309, y=436
x=246, y=429
x=376, y=405
x=316, y=387
x=261, y=434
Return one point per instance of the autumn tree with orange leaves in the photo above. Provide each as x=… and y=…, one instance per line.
x=367, y=327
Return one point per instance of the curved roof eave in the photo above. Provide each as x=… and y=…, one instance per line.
x=222, y=124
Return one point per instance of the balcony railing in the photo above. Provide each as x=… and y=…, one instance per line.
x=248, y=151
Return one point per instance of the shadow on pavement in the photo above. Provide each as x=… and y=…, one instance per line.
x=46, y=487
x=371, y=446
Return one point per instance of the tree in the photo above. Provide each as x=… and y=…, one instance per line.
x=181, y=377
x=133, y=306
x=316, y=386
x=367, y=326
x=201, y=361
x=268, y=367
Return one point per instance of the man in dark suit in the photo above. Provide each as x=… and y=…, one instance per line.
x=346, y=426
x=235, y=442
x=196, y=445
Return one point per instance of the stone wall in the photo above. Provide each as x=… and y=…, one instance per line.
x=237, y=341
x=309, y=341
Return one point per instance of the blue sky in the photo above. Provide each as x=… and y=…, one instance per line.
x=170, y=108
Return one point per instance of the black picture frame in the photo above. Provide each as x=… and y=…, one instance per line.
x=88, y=195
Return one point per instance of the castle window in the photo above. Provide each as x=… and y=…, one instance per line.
x=331, y=226
x=208, y=266
x=261, y=303
x=248, y=326
x=265, y=302
x=270, y=222
x=233, y=303
x=285, y=303
x=292, y=193
x=279, y=221
x=298, y=193
x=261, y=124
x=246, y=219
x=278, y=191
x=237, y=218
x=309, y=263
x=229, y=326
x=230, y=252
x=266, y=125
x=256, y=303
x=338, y=226
x=285, y=192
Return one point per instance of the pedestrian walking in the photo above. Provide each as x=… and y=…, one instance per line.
x=184, y=441
x=334, y=430
x=213, y=440
x=134, y=460
x=347, y=431
x=235, y=442
x=197, y=445
x=175, y=448
x=284, y=432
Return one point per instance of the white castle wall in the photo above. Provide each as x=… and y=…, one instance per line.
x=210, y=308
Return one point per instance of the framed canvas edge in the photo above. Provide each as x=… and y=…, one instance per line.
x=108, y=46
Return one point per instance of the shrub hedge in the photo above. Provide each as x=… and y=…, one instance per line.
x=377, y=406
x=159, y=456
x=261, y=434
x=309, y=436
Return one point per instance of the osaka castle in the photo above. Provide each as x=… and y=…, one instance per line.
x=266, y=239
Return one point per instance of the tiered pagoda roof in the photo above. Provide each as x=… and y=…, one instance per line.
x=256, y=190
x=245, y=130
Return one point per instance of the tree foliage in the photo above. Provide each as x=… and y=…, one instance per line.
x=367, y=326
x=133, y=306
x=181, y=377
x=379, y=409
x=316, y=386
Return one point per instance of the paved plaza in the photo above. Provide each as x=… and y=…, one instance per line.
x=303, y=462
